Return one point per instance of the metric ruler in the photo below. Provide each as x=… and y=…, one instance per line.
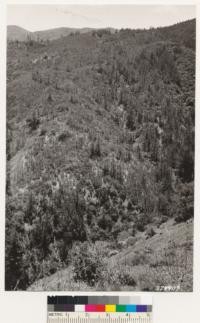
x=67, y=317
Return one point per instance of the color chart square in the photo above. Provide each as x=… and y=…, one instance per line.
x=110, y=308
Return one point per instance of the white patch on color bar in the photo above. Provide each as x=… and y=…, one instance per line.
x=79, y=308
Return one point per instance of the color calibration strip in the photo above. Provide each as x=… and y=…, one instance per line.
x=107, y=304
x=108, y=308
x=99, y=309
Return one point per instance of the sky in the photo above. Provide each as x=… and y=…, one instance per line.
x=41, y=17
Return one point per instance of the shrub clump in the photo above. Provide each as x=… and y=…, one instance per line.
x=95, y=148
x=150, y=232
x=87, y=263
x=64, y=136
x=117, y=276
x=33, y=122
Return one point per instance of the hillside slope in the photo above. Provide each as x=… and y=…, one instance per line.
x=17, y=33
x=149, y=261
x=100, y=148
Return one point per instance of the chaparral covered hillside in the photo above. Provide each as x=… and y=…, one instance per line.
x=100, y=160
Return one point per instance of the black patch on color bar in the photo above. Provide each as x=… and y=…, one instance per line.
x=75, y=300
x=63, y=307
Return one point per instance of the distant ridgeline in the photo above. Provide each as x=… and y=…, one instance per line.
x=16, y=33
x=100, y=158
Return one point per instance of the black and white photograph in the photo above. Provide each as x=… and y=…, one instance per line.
x=100, y=128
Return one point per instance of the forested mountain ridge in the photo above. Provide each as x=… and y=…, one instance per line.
x=100, y=150
x=16, y=33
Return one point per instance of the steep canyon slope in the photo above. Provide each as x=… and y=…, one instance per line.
x=100, y=159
